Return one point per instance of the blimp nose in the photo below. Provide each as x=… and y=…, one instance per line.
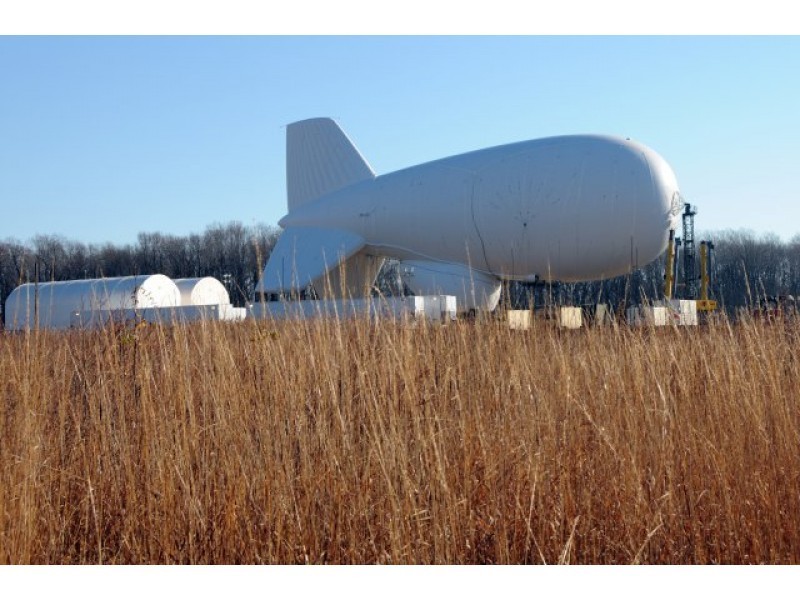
x=657, y=207
x=667, y=197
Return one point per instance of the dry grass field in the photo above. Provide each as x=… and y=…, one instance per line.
x=380, y=443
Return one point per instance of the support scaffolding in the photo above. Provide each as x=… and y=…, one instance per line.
x=689, y=258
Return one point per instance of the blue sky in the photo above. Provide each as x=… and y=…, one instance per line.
x=104, y=137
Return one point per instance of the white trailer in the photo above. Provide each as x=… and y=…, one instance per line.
x=92, y=319
x=437, y=309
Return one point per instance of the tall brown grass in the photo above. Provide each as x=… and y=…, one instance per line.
x=326, y=442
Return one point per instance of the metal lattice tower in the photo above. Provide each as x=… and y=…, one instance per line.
x=689, y=259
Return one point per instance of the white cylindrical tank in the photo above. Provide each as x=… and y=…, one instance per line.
x=59, y=300
x=202, y=291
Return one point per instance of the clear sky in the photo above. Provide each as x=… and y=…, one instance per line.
x=105, y=137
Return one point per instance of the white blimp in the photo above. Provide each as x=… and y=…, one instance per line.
x=570, y=208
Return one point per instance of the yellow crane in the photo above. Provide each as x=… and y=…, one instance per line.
x=669, y=272
x=704, y=303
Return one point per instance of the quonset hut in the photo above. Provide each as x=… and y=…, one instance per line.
x=202, y=291
x=59, y=301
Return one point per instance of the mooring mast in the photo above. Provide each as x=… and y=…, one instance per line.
x=689, y=260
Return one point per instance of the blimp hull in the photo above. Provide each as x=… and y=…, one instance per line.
x=573, y=209
x=568, y=208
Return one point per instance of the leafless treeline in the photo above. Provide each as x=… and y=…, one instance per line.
x=745, y=268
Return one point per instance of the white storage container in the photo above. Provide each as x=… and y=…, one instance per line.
x=570, y=317
x=59, y=300
x=652, y=316
x=682, y=312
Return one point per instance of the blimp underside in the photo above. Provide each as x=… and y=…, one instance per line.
x=569, y=208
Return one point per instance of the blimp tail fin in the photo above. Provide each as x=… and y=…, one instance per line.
x=320, y=159
x=307, y=256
